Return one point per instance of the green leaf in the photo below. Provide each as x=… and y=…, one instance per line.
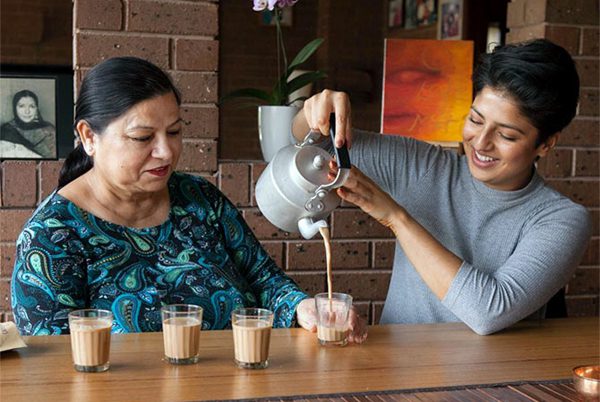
x=304, y=54
x=247, y=93
x=304, y=79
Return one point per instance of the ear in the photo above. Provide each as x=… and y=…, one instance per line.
x=547, y=146
x=86, y=136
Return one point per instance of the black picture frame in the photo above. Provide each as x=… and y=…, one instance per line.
x=52, y=86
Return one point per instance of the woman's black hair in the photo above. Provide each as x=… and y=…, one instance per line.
x=540, y=76
x=108, y=91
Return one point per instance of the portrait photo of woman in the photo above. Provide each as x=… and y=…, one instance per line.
x=25, y=133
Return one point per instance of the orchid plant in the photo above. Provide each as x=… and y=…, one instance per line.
x=279, y=94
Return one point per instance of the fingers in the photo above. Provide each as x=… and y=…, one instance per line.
x=318, y=108
x=358, y=327
x=306, y=315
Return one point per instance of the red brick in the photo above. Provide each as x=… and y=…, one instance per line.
x=377, y=308
x=584, y=281
x=196, y=87
x=362, y=285
x=263, y=229
x=589, y=43
x=235, y=178
x=310, y=283
x=589, y=75
x=363, y=309
x=349, y=223
x=94, y=48
x=383, y=253
x=4, y=295
x=198, y=156
x=7, y=260
x=98, y=14
x=515, y=13
x=582, y=306
x=582, y=192
x=311, y=255
x=581, y=132
x=19, y=185
x=15, y=18
x=567, y=37
x=173, y=18
x=275, y=250
x=580, y=12
x=588, y=102
x=592, y=253
x=49, y=172
x=535, y=11
x=587, y=163
x=556, y=164
x=525, y=33
x=11, y=223
x=257, y=169
x=595, y=222
x=196, y=54
x=200, y=122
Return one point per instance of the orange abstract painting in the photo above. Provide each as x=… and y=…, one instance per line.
x=427, y=90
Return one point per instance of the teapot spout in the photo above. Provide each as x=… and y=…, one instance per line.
x=308, y=229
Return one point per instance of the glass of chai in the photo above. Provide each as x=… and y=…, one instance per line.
x=90, y=339
x=252, y=336
x=181, y=325
x=332, y=318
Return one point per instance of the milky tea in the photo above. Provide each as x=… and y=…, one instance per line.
x=252, y=337
x=181, y=325
x=90, y=339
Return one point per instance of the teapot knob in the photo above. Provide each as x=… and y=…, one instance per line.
x=318, y=162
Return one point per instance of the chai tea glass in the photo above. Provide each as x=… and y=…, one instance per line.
x=181, y=325
x=332, y=318
x=90, y=339
x=252, y=337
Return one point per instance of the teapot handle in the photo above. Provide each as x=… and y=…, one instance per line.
x=343, y=160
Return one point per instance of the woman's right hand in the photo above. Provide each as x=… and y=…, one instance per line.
x=315, y=116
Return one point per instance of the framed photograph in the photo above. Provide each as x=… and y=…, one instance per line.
x=426, y=12
x=395, y=13
x=450, y=19
x=36, y=112
x=410, y=14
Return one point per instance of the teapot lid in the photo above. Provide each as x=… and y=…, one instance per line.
x=312, y=166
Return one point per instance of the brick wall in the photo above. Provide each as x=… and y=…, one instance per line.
x=572, y=168
x=36, y=32
x=185, y=43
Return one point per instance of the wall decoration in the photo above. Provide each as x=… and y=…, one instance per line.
x=426, y=12
x=427, y=89
x=395, y=13
x=450, y=19
x=410, y=14
x=36, y=112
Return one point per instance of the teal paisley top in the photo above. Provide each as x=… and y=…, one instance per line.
x=203, y=254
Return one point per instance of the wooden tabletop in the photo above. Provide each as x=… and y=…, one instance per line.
x=395, y=357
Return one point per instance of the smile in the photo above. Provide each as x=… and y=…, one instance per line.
x=482, y=161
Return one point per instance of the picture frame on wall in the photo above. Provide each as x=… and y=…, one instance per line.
x=395, y=13
x=450, y=19
x=426, y=12
x=410, y=14
x=36, y=112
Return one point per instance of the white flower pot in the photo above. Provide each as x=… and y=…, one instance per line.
x=275, y=128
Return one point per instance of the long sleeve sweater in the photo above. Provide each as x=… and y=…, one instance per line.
x=518, y=247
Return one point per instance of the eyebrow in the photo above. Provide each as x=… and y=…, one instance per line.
x=500, y=124
x=150, y=127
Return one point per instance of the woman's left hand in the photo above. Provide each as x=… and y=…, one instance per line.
x=306, y=314
x=368, y=196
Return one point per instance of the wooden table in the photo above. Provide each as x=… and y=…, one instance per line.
x=394, y=358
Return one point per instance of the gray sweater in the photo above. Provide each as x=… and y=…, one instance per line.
x=518, y=247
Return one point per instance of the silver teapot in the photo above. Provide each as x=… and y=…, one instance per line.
x=294, y=192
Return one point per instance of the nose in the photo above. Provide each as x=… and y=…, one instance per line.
x=483, y=139
x=162, y=148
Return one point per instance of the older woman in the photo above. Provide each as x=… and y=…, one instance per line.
x=28, y=133
x=126, y=233
x=481, y=238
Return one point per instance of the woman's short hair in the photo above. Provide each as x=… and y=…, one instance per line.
x=107, y=92
x=540, y=76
